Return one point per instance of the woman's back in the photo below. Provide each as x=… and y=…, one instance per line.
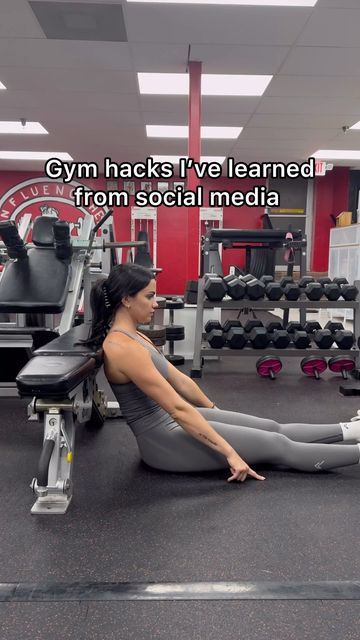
x=140, y=412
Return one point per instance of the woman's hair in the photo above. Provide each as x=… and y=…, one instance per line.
x=107, y=293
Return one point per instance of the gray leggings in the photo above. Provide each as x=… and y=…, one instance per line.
x=304, y=447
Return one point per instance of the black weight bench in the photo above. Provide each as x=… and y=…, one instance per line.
x=61, y=379
x=36, y=279
x=35, y=286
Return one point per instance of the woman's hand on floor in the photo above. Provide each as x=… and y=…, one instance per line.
x=240, y=470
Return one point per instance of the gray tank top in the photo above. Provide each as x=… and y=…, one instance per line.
x=141, y=412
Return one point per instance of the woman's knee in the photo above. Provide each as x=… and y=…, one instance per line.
x=282, y=448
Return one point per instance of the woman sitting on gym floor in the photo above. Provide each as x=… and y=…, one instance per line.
x=176, y=426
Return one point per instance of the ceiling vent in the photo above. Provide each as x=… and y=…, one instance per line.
x=79, y=21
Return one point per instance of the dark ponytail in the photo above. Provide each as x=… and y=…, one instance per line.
x=107, y=293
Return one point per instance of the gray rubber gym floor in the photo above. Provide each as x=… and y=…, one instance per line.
x=129, y=523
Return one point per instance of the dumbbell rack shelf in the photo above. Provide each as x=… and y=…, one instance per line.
x=289, y=351
x=201, y=347
x=302, y=303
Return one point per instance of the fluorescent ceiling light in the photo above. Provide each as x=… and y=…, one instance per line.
x=336, y=154
x=212, y=84
x=356, y=125
x=250, y=3
x=175, y=159
x=2, y=86
x=17, y=127
x=161, y=131
x=233, y=85
x=34, y=155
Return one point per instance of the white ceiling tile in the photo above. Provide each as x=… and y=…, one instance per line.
x=61, y=100
x=332, y=28
x=46, y=80
x=348, y=141
x=220, y=119
x=165, y=117
x=105, y=101
x=218, y=104
x=159, y=57
x=314, y=86
x=56, y=54
x=270, y=144
x=102, y=135
x=308, y=105
x=299, y=120
x=18, y=21
x=17, y=99
x=82, y=1
x=218, y=25
x=166, y=147
x=335, y=61
x=216, y=147
x=337, y=4
x=211, y=105
x=180, y=118
x=34, y=143
x=173, y=104
x=223, y=58
x=284, y=133
x=61, y=117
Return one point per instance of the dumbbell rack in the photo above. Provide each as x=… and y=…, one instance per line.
x=202, y=349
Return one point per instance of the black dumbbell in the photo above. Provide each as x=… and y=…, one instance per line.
x=215, y=288
x=325, y=280
x=292, y=291
x=191, y=292
x=323, y=338
x=228, y=324
x=314, y=291
x=212, y=324
x=266, y=279
x=236, y=338
x=259, y=338
x=340, y=281
x=248, y=277
x=294, y=326
x=274, y=291
x=332, y=291
x=255, y=289
x=311, y=326
x=236, y=288
x=268, y=366
x=216, y=338
x=349, y=291
x=280, y=338
x=344, y=339
x=341, y=364
x=286, y=280
x=250, y=324
x=313, y=366
x=334, y=326
x=301, y=340
x=305, y=280
x=273, y=325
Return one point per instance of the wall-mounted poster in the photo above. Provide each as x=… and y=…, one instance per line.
x=129, y=187
x=146, y=186
x=163, y=186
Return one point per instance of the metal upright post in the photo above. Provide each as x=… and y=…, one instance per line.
x=196, y=369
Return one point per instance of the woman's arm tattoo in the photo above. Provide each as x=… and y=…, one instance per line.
x=202, y=435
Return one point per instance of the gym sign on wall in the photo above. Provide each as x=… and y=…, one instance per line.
x=42, y=196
